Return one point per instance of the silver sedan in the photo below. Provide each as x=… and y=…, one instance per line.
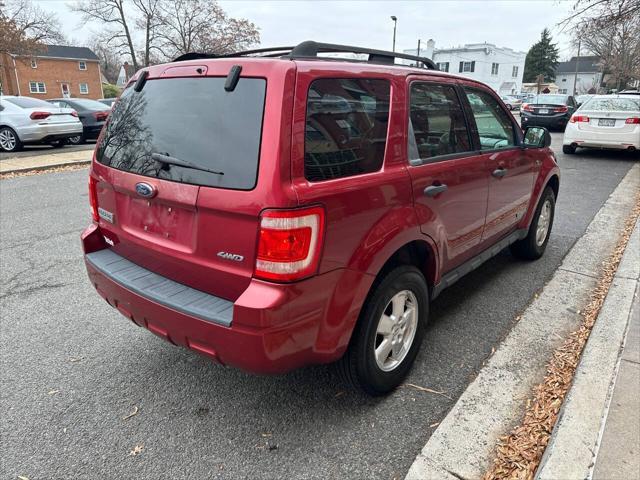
x=26, y=120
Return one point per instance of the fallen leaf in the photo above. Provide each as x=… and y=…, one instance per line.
x=75, y=359
x=434, y=424
x=52, y=392
x=266, y=434
x=339, y=394
x=134, y=412
x=20, y=477
x=136, y=450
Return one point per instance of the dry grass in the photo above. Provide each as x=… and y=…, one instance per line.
x=518, y=454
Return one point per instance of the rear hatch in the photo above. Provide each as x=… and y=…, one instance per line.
x=179, y=197
x=609, y=115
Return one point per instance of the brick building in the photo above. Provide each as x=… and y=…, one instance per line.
x=58, y=71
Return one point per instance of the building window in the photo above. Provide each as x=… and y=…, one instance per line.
x=34, y=63
x=494, y=68
x=37, y=87
x=443, y=67
x=564, y=79
x=84, y=88
x=563, y=90
x=82, y=65
x=467, y=66
x=514, y=72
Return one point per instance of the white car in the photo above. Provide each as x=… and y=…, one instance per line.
x=25, y=120
x=605, y=121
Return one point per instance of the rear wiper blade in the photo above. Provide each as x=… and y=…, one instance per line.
x=169, y=160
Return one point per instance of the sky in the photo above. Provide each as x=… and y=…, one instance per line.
x=509, y=23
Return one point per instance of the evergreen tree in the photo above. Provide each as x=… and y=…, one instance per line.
x=542, y=59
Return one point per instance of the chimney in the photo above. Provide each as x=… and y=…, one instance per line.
x=430, y=48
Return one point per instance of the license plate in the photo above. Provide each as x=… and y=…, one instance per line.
x=543, y=111
x=607, y=122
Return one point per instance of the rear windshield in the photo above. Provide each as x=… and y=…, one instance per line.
x=177, y=122
x=552, y=99
x=88, y=104
x=612, y=104
x=26, y=102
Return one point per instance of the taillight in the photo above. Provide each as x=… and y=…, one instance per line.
x=527, y=107
x=579, y=118
x=93, y=198
x=39, y=115
x=289, y=243
x=561, y=109
x=100, y=116
x=74, y=113
x=633, y=120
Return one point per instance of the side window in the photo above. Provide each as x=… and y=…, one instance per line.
x=436, y=122
x=346, y=128
x=494, y=126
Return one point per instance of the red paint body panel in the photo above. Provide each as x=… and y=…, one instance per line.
x=280, y=326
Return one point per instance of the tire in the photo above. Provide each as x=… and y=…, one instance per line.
x=59, y=143
x=360, y=367
x=9, y=140
x=532, y=247
x=77, y=140
x=569, y=149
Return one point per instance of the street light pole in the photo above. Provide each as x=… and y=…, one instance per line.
x=395, y=23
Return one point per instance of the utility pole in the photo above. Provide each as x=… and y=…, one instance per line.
x=418, y=54
x=395, y=23
x=575, y=78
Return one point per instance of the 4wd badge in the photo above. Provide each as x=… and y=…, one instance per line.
x=231, y=256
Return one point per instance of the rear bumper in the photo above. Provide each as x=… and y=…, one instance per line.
x=92, y=131
x=552, y=121
x=273, y=328
x=609, y=140
x=44, y=133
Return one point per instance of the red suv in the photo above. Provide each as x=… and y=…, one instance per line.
x=278, y=208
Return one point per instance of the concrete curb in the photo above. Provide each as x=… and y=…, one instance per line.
x=462, y=445
x=45, y=162
x=577, y=434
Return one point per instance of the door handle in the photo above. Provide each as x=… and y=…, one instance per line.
x=499, y=172
x=433, y=190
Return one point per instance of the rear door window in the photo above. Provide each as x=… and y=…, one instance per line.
x=213, y=135
x=346, y=127
x=494, y=126
x=437, y=125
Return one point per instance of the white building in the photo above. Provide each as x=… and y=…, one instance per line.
x=587, y=80
x=499, y=67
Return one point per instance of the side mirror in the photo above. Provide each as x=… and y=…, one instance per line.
x=536, y=137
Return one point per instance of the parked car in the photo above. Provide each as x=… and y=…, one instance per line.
x=512, y=103
x=605, y=121
x=275, y=212
x=548, y=110
x=108, y=101
x=92, y=114
x=26, y=120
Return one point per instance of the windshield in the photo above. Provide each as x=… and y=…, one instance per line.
x=612, y=104
x=26, y=102
x=551, y=99
x=194, y=120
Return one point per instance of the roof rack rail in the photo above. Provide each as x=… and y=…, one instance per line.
x=311, y=49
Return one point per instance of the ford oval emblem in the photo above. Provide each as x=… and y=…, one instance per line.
x=145, y=190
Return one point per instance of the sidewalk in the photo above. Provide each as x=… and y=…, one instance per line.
x=597, y=434
x=45, y=162
x=619, y=455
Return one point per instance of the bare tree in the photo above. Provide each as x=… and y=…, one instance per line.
x=148, y=21
x=24, y=27
x=111, y=13
x=611, y=30
x=110, y=61
x=202, y=25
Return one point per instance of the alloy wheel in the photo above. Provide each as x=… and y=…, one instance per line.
x=396, y=330
x=8, y=140
x=544, y=220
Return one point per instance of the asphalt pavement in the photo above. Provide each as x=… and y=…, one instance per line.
x=35, y=150
x=74, y=370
